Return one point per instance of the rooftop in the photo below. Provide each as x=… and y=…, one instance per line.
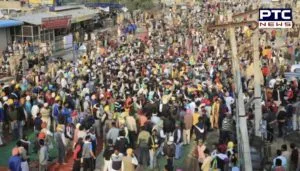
x=77, y=15
x=34, y=18
x=9, y=23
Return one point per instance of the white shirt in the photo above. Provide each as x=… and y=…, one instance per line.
x=192, y=106
x=229, y=101
x=35, y=110
x=272, y=83
x=63, y=83
x=155, y=120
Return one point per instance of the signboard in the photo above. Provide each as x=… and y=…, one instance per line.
x=56, y=22
x=84, y=18
x=41, y=2
x=68, y=41
x=275, y=18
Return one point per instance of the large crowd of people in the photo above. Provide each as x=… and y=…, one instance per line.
x=144, y=98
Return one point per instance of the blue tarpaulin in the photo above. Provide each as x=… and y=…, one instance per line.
x=104, y=5
x=9, y=23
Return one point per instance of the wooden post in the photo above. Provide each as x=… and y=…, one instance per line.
x=242, y=120
x=257, y=83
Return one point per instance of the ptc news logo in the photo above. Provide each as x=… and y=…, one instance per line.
x=275, y=18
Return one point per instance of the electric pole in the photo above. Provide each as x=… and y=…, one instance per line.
x=257, y=83
x=240, y=97
x=242, y=131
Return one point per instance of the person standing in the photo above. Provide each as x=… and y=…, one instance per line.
x=286, y=154
x=109, y=150
x=129, y=162
x=55, y=111
x=178, y=140
x=116, y=161
x=154, y=145
x=122, y=142
x=20, y=117
x=279, y=157
x=61, y=144
x=1, y=123
x=169, y=151
x=12, y=115
x=43, y=156
x=207, y=161
x=295, y=158
x=188, y=124
x=24, y=156
x=200, y=129
x=77, y=155
x=296, y=117
x=132, y=130
x=14, y=162
x=229, y=101
x=281, y=120
x=199, y=151
x=215, y=112
x=278, y=166
x=113, y=133
x=227, y=128
x=45, y=113
x=87, y=154
x=143, y=145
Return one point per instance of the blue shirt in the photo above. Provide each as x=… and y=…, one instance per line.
x=1, y=114
x=14, y=163
x=28, y=107
x=283, y=161
x=66, y=112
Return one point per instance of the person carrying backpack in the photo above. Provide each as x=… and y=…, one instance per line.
x=77, y=155
x=116, y=161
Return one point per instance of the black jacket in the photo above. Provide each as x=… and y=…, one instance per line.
x=169, y=150
x=122, y=144
x=109, y=150
x=176, y=138
x=21, y=113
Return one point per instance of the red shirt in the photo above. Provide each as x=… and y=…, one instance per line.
x=76, y=151
x=265, y=71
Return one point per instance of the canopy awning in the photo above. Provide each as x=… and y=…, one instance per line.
x=9, y=23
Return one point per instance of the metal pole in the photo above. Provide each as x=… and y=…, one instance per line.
x=240, y=97
x=73, y=51
x=257, y=83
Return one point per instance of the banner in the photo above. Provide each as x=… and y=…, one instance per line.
x=42, y=2
x=56, y=22
x=68, y=41
x=83, y=18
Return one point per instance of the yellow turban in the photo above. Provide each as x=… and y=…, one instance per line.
x=230, y=145
x=17, y=86
x=129, y=151
x=10, y=101
x=57, y=98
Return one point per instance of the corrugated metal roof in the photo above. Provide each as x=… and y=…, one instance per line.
x=9, y=23
x=77, y=16
x=66, y=7
x=34, y=18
